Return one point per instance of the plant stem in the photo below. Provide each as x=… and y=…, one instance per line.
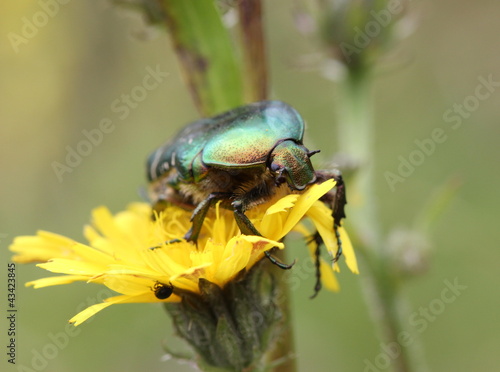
x=284, y=351
x=255, y=79
x=356, y=143
x=206, y=53
x=218, y=81
x=254, y=53
x=380, y=279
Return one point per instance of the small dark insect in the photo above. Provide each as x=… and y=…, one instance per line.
x=240, y=158
x=163, y=291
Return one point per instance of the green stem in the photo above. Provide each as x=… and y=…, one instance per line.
x=380, y=281
x=356, y=143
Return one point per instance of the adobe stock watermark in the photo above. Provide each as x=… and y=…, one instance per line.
x=30, y=26
x=419, y=320
x=379, y=20
x=122, y=107
x=454, y=117
x=41, y=357
x=303, y=271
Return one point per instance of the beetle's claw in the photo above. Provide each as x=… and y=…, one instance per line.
x=189, y=236
x=280, y=264
x=317, y=288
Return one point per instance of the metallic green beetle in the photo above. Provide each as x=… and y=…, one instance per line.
x=239, y=157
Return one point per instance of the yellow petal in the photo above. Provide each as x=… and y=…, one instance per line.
x=41, y=248
x=130, y=270
x=130, y=285
x=303, y=230
x=328, y=278
x=304, y=202
x=258, y=246
x=235, y=257
x=94, y=309
x=188, y=279
x=88, y=312
x=323, y=221
x=89, y=254
x=283, y=204
x=348, y=251
x=56, y=280
x=65, y=266
x=321, y=216
x=168, y=260
x=145, y=297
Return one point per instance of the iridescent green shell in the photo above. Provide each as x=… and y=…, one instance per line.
x=241, y=138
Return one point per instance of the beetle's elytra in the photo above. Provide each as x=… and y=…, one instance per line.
x=239, y=157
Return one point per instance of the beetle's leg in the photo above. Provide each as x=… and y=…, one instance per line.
x=337, y=200
x=316, y=239
x=340, y=201
x=166, y=243
x=247, y=228
x=339, y=243
x=198, y=217
x=200, y=213
x=280, y=264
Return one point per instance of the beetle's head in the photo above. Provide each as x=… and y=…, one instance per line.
x=291, y=164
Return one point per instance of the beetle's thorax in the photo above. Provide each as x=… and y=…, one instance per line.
x=238, y=182
x=291, y=164
x=256, y=184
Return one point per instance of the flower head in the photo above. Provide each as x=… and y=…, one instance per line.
x=119, y=252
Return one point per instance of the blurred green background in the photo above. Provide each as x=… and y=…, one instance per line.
x=64, y=79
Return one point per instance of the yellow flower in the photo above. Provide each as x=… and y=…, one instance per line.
x=119, y=253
